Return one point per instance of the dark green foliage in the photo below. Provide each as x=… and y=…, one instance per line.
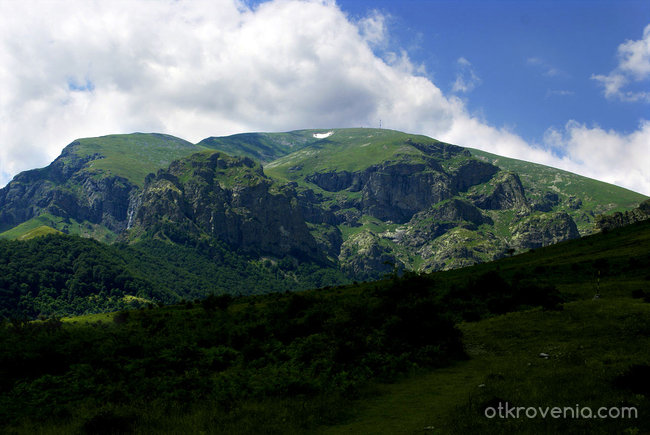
x=233, y=352
x=288, y=359
x=63, y=275
x=67, y=275
x=222, y=350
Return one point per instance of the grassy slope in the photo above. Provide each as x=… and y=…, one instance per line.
x=350, y=149
x=590, y=342
x=357, y=149
x=133, y=156
x=596, y=195
x=264, y=147
x=58, y=224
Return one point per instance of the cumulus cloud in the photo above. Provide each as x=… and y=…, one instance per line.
x=214, y=67
x=606, y=155
x=466, y=78
x=633, y=67
x=373, y=28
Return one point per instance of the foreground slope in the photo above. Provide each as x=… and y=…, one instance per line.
x=379, y=357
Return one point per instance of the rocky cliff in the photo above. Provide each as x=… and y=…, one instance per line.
x=366, y=200
x=621, y=219
x=227, y=198
x=67, y=189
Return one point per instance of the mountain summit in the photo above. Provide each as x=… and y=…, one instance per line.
x=365, y=201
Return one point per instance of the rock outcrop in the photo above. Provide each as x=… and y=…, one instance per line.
x=367, y=199
x=395, y=192
x=229, y=199
x=66, y=188
x=618, y=219
x=508, y=193
x=543, y=230
x=471, y=173
x=363, y=256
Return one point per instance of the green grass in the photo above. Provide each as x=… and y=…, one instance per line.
x=347, y=149
x=43, y=230
x=264, y=147
x=589, y=343
x=133, y=156
x=596, y=195
x=38, y=226
x=20, y=231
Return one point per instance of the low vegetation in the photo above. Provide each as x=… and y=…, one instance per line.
x=410, y=353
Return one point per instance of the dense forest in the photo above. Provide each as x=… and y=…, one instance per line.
x=60, y=275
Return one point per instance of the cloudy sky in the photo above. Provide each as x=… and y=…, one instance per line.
x=564, y=83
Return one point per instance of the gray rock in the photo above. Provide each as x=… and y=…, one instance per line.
x=543, y=230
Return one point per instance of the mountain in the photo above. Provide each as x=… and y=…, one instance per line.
x=363, y=202
x=87, y=189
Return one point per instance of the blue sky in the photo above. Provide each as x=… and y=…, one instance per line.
x=562, y=83
x=534, y=59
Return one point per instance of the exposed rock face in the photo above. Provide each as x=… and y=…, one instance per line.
x=425, y=206
x=547, y=202
x=460, y=247
x=229, y=199
x=364, y=257
x=508, y=193
x=312, y=213
x=434, y=222
x=457, y=210
x=65, y=188
x=543, y=230
x=395, y=192
x=336, y=181
x=471, y=173
x=618, y=219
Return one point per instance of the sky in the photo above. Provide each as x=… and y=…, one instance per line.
x=563, y=83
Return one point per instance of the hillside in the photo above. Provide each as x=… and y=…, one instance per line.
x=380, y=357
x=362, y=202
x=87, y=189
x=45, y=274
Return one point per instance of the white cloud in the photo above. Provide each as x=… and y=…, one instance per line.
x=547, y=69
x=466, y=78
x=373, y=28
x=635, y=56
x=202, y=68
x=605, y=155
x=633, y=67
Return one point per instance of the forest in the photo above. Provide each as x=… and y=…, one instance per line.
x=320, y=347
x=62, y=275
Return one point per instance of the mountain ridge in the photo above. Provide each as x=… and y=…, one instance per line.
x=367, y=200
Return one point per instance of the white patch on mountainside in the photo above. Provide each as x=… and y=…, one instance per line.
x=323, y=135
